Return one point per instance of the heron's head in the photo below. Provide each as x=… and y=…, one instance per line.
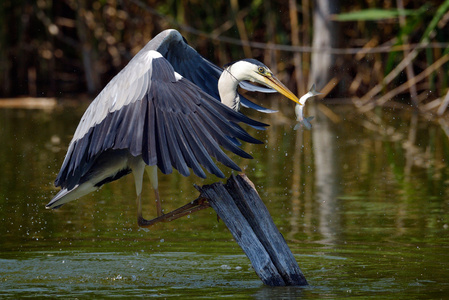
x=255, y=71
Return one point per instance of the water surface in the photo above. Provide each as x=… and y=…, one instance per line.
x=361, y=200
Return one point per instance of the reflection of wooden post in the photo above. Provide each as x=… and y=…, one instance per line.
x=238, y=204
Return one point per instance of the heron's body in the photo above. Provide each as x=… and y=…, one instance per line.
x=161, y=111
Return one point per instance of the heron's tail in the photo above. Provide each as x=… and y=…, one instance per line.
x=64, y=195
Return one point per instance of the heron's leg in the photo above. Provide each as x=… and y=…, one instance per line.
x=152, y=173
x=196, y=205
x=138, y=170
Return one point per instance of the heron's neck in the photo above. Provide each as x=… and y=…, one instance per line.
x=227, y=87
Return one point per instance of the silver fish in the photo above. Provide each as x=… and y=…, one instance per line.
x=300, y=107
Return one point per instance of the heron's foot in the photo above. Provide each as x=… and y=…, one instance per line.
x=142, y=222
x=191, y=207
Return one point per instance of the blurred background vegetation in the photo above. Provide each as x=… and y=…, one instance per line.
x=367, y=52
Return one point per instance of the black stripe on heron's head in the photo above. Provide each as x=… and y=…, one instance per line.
x=249, y=60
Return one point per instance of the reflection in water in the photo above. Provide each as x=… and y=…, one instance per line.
x=326, y=175
x=363, y=205
x=409, y=145
x=297, y=187
x=322, y=199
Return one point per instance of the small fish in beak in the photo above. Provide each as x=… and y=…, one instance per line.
x=299, y=107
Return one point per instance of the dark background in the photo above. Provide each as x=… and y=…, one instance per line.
x=65, y=48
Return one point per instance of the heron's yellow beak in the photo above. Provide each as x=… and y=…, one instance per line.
x=271, y=81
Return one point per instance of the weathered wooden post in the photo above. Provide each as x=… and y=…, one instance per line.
x=238, y=204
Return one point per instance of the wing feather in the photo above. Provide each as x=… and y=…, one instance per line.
x=225, y=141
x=163, y=159
x=189, y=156
x=164, y=118
x=176, y=155
x=211, y=146
x=149, y=149
x=198, y=148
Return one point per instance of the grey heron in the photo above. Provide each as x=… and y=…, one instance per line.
x=168, y=108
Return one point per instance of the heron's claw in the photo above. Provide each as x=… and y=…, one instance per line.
x=191, y=207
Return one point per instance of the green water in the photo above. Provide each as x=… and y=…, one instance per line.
x=363, y=204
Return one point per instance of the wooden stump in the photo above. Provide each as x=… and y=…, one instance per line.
x=238, y=204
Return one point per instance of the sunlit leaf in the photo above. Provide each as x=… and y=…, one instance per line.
x=372, y=14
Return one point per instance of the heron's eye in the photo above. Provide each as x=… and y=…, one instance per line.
x=261, y=70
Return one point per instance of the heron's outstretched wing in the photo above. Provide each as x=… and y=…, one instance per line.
x=190, y=64
x=154, y=112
